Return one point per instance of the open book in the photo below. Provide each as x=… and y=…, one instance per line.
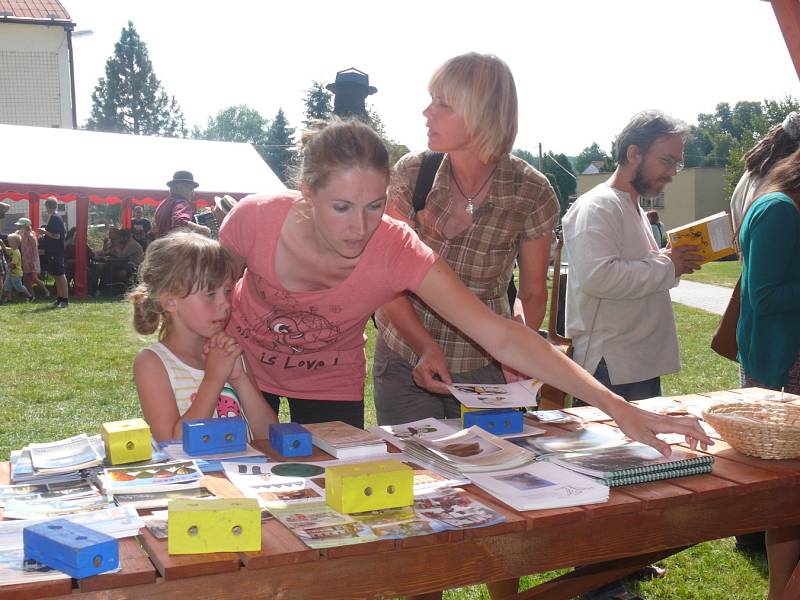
x=497, y=395
x=713, y=235
x=634, y=463
x=472, y=450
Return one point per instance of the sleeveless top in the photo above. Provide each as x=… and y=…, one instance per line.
x=185, y=381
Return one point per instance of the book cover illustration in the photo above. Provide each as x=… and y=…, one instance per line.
x=125, y=478
x=713, y=235
x=68, y=454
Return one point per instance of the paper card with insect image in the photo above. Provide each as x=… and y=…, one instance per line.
x=497, y=395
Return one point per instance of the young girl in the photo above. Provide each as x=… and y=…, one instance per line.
x=13, y=279
x=195, y=370
x=31, y=266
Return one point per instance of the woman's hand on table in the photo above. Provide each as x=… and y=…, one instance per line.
x=644, y=426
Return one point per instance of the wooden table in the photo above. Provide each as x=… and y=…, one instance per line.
x=638, y=524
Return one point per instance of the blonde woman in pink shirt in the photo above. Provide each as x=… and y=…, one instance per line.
x=319, y=261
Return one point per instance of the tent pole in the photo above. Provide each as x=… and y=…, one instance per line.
x=787, y=12
x=81, y=236
x=33, y=210
x=127, y=213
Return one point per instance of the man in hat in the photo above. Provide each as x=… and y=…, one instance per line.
x=350, y=91
x=177, y=210
x=222, y=206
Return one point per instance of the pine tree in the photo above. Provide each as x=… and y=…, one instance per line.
x=318, y=103
x=279, y=151
x=130, y=99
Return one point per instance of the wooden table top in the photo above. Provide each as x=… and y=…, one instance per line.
x=742, y=494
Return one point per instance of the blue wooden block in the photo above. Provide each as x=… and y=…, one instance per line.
x=214, y=436
x=498, y=422
x=290, y=439
x=72, y=548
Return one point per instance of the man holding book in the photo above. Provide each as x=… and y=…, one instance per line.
x=619, y=312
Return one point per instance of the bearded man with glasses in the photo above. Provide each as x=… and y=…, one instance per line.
x=619, y=312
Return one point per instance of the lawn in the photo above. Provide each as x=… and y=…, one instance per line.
x=724, y=272
x=67, y=371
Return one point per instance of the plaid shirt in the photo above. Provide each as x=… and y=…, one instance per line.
x=520, y=206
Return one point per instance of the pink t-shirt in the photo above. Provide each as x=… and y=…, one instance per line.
x=311, y=344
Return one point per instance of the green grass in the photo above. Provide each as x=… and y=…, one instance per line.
x=724, y=273
x=67, y=371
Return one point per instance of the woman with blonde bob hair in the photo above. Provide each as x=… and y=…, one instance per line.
x=485, y=208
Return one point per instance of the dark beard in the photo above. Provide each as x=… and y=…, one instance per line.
x=639, y=183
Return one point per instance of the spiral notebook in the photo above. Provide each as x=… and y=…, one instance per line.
x=633, y=463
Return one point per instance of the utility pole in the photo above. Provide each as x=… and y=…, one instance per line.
x=541, y=165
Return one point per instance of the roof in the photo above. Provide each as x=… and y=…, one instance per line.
x=110, y=166
x=34, y=9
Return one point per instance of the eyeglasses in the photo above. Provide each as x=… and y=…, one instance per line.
x=670, y=163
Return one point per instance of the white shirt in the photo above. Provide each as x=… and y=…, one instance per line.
x=742, y=197
x=618, y=303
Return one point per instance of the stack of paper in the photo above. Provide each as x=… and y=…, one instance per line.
x=345, y=441
x=57, y=461
x=472, y=450
x=169, y=476
x=541, y=485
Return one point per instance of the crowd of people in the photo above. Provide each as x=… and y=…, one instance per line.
x=267, y=298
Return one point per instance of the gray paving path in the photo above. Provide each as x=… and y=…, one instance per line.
x=713, y=298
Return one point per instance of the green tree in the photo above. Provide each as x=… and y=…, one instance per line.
x=130, y=99
x=526, y=156
x=395, y=148
x=279, y=148
x=317, y=102
x=728, y=133
x=559, y=166
x=237, y=124
x=591, y=154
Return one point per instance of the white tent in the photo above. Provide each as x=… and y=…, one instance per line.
x=89, y=166
x=35, y=158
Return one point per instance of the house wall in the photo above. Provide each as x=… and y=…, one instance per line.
x=693, y=194
x=35, y=84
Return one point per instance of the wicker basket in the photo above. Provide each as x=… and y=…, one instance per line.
x=761, y=429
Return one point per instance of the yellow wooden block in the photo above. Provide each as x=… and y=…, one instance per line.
x=369, y=486
x=217, y=525
x=127, y=441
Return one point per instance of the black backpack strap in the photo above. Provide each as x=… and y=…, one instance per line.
x=427, y=172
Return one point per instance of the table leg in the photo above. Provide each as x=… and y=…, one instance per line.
x=590, y=577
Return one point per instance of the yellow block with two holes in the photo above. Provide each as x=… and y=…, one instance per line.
x=126, y=441
x=369, y=486
x=216, y=525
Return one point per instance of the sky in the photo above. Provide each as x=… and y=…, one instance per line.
x=582, y=67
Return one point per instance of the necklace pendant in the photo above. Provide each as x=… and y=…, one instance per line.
x=469, y=206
